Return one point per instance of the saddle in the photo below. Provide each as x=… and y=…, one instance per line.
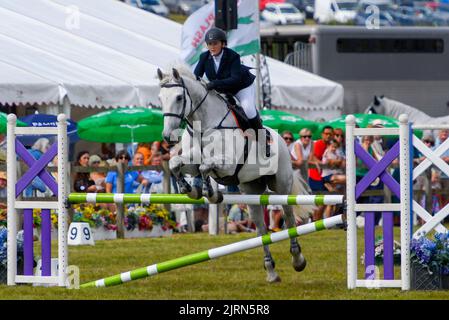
x=239, y=115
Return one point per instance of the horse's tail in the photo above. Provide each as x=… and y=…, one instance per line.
x=300, y=187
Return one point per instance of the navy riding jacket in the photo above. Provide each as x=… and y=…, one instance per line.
x=231, y=76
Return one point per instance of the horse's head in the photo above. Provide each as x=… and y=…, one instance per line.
x=176, y=103
x=377, y=106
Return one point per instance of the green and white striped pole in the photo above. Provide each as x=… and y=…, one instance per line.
x=264, y=199
x=215, y=253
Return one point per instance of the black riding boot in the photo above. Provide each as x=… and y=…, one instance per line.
x=256, y=125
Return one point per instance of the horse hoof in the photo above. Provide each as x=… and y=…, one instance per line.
x=273, y=278
x=216, y=197
x=299, y=263
x=195, y=193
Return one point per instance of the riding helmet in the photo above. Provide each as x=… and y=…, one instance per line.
x=215, y=34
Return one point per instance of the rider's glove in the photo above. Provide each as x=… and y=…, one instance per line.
x=210, y=86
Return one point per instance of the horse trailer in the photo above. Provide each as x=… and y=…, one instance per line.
x=407, y=64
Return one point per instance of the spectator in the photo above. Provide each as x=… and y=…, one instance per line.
x=82, y=181
x=129, y=176
x=339, y=136
x=276, y=217
x=37, y=186
x=238, y=220
x=154, y=177
x=97, y=177
x=3, y=191
x=315, y=179
x=145, y=149
x=306, y=145
x=333, y=173
x=443, y=134
x=378, y=145
x=295, y=152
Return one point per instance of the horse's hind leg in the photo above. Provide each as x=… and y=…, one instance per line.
x=298, y=260
x=256, y=215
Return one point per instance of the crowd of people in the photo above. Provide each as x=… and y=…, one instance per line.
x=321, y=164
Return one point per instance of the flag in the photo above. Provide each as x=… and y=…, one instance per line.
x=245, y=40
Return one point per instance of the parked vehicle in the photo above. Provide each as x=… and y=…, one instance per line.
x=153, y=6
x=364, y=16
x=306, y=6
x=283, y=13
x=263, y=3
x=184, y=7
x=341, y=11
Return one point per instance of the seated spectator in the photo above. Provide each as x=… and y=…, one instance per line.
x=154, y=177
x=82, y=181
x=238, y=220
x=276, y=217
x=99, y=178
x=145, y=149
x=129, y=176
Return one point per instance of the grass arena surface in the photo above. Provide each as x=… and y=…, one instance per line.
x=236, y=277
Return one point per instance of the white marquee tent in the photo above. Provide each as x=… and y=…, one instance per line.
x=105, y=53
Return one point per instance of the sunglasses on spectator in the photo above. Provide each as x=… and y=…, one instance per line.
x=338, y=135
x=96, y=162
x=306, y=137
x=124, y=157
x=427, y=141
x=288, y=138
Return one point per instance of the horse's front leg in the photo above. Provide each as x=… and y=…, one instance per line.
x=176, y=165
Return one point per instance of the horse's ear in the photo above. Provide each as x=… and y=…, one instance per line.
x=376, y=101
x=160, y=75
x=176, y=74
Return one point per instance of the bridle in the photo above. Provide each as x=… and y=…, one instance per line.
x=185, y=91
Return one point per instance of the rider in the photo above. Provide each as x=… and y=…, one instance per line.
x=227, y=75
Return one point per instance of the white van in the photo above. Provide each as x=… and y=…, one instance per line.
x=341, y=11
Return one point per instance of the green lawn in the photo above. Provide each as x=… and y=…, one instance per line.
x=239, y=276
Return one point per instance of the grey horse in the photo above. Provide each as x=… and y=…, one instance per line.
x=209, y=147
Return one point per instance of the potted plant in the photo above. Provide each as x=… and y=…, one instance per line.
x=148, y=221
x=101, y=220
x=430, y=262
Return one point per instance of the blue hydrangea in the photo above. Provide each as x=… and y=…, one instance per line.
x=3, y=245
x=434, y=254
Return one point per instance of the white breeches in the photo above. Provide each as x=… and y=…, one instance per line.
x=247, y=98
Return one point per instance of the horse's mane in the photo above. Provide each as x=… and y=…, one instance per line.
x=182, y=68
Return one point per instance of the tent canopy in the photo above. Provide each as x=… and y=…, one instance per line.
x=105, y=53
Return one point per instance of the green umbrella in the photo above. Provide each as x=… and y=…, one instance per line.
x=283, y=121
x=4, y=122
x=123, y=125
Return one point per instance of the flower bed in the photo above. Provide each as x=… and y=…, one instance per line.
x=140, y=221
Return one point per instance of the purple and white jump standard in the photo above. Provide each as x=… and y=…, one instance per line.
x=355, y=189
x=16, y=187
